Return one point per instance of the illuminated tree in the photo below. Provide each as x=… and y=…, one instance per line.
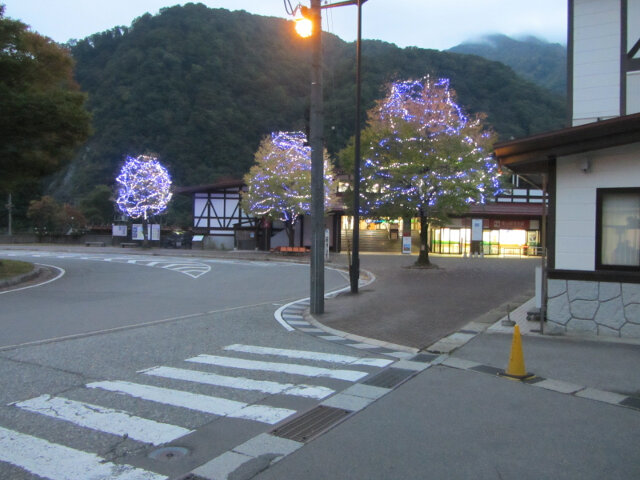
x=422, y=156
x=279, y=184
x=145, y=187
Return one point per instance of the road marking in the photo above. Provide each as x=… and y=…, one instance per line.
x=61, y=272
x=57, y=462
x=306, y=370
x=241, y=383
x=195, y=401
x=307, y=355
x=116, y=422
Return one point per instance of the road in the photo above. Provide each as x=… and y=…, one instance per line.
x=124, y=355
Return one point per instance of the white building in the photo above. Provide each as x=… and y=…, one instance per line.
x=593, y=176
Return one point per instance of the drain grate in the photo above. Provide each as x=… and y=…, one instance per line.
x=389, y=378
x=311, y=424
x=425, y=357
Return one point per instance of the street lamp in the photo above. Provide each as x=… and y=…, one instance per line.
x=308, y=22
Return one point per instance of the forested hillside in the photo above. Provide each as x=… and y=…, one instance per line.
x=536, y=60
x=200, y=87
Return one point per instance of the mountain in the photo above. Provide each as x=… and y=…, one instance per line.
x=200, y=87
x=536, y=60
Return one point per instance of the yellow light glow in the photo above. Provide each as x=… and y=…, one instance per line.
x=304, y=26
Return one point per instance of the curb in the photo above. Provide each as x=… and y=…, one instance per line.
x=295, y=316
x=25, y=277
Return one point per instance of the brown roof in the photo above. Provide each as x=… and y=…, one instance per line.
x=211, y=187
x=508, y=209
x=531, y=154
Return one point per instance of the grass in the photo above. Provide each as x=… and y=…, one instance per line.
x=11, y=268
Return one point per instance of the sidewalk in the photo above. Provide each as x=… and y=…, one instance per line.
x=578, y=418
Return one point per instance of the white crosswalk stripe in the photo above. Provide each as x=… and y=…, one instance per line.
x=241, y=383
x=55, y=461
x=306, y=370
x=103, y=419
x=305, y=355
x=196, y=401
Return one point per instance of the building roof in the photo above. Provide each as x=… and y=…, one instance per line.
x=531, y=154
x=507, y=209
x=221, y=184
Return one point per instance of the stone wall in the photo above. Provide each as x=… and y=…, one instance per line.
x=596, y=308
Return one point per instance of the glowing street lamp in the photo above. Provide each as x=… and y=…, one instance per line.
x=304, y=24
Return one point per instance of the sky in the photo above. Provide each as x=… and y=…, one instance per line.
x=436, y=24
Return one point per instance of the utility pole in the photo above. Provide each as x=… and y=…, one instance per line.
x=354, y=268
x=317, y=165
x=9, y=208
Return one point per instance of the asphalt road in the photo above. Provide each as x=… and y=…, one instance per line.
x=105, y=291
x=77, y=398
x=193, y=381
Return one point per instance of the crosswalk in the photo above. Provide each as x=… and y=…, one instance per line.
x=191, y=268
x=249, y=374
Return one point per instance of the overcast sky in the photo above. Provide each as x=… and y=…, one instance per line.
x=438, y=24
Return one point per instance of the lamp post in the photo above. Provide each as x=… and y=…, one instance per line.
x=316, y=118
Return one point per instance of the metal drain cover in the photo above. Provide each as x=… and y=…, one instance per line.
x=311, y=424
x=389, y=378
x=169, y=453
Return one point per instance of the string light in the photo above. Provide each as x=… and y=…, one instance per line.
x=429, y=151
x=145, y=187
x=279, y=185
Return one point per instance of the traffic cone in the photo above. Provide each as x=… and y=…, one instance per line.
x=516, y=368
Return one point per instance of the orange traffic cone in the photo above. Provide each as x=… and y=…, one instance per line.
x=516, y=368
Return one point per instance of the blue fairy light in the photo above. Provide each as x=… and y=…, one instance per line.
x=145, y=187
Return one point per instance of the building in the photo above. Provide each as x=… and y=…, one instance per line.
x=592, y=174
x=220, y=223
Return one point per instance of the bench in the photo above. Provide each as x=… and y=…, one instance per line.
x=294, y=250
x=124, y=245
x=94, y=244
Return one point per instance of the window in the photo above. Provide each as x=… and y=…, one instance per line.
x=618, y=229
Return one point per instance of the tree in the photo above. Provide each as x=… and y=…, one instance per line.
x=145, y=187
x=42, y=114
x=422, y=156
x=98, y=205
x=50, y=218
x=279, y=184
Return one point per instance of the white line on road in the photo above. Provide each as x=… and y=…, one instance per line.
x=57, y=462
x=61, y=272
x=116, y=422
x=241, y=383
x=195, y=401
x=307, y=355
x=309, y=371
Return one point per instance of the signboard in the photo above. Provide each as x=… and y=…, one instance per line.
x=476, y=230
x=406, y=244
x=153, y=231
x=509, y=224
x=137, y=233
x=326, y=244
x=119, y=230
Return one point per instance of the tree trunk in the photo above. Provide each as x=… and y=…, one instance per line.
x=288, y=225
x=423, y=257
x=145, y=241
